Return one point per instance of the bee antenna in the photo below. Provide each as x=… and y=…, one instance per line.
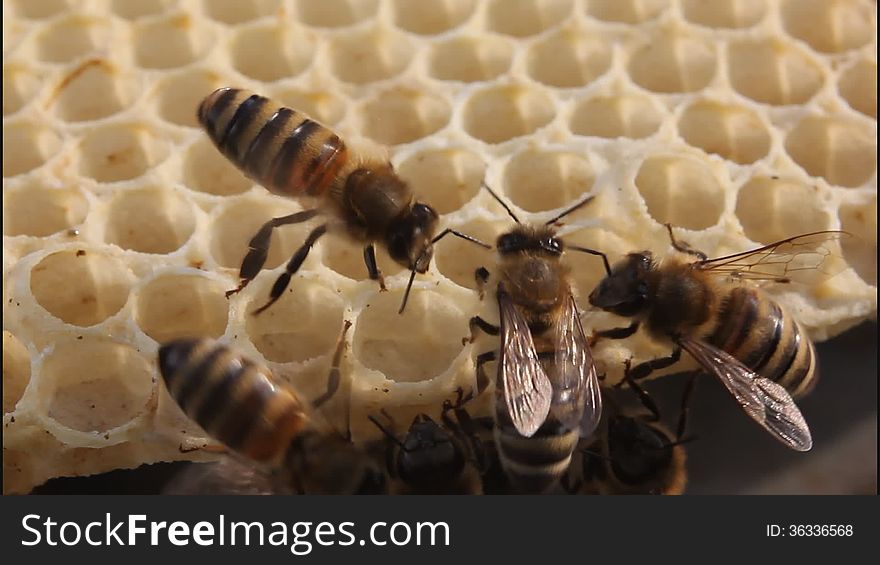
x=593, y=252
x=386, y=431
x=412, y=277
x=570, y=209
x=502, y=202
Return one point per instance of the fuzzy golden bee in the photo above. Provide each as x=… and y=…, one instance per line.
x=735, y=332
x=546, y=391
x=240, y=403
x=293, y=155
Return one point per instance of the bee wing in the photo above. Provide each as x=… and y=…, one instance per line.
x=763, y=400
x=527, y=390
x=796, y=259
x=229, y=475
x=576, y=396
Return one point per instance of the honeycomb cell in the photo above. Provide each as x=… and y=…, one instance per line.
x=568, y=59
x=672, y=63
x=120, y=152
x=271, y=51
x=96, y=385
x=134, y=9
x=541, y=180
x=20, y=86
x=458, y=259
x=733, y=132
x=238, y=221
x=93, y=90
x=830, y=26
x=174, y=306
x=499, y=113
x=842, y=152
x=370, y=56
x=72, y=37
x=626, y=11
x=771, y=209
x=346, y=257
x=39, y=9
x=170, y=42
x=325, y=107
x=403, y=115
x=149, y=220
x=521, y=18
x=239, y=12
x=724, y=13
x=180, y=94
x=861, y=251
x=680, y=190
x=206, y=170
x=26, y=146
x=409, y=348
x=772, y=72
x=335, y=13
x=626, y=115
x=16, y=371
x=447, y=178
x=305, y=323
x=82, y=287
x=858, y=86
x=432, y=16
x=37, y=210
x=469, y=59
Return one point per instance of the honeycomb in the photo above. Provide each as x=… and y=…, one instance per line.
x=739, y=121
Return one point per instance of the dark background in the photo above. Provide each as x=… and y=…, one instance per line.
x=732, y=455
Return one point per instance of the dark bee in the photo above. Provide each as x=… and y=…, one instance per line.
x=735, y=332
x=633, y=452
x=432, y=458
x=292, y=155
x=240, y=404
x=540, y=413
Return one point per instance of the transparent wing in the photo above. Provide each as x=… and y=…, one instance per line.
x=762, y=399
x=577, y=399
x=527, y=389
x=803, y=258
x=229, y=475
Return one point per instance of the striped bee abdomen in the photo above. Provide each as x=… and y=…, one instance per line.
x=280, y=148
x=534, y=464
x=231, y=398
x=757, y=331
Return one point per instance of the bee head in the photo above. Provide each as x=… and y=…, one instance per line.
x=638, y=451
x=541, y=240
x=429, y=455
x=625, y=290
x=408, y=238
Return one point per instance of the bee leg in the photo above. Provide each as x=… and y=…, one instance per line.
x=481, y=276
x=684, y=247
x=643, y=395
x=685, y=405
x=258, y=248
x=292, y=267
x=642, y=370
x=333, y=377
x=482, y=378
x=372, y=267
x=614, y=333
x=478, y=322
x=464, y=427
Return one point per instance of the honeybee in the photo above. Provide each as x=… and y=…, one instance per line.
x=633, y=452
x=239, y=403
x=292, y=155
x=540, y=414
x=735, y=332
x=432, y=458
